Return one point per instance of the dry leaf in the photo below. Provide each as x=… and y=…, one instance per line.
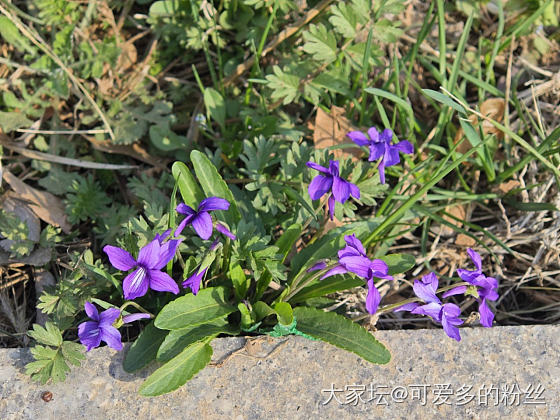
x=506, y=187
x=492, y=108
x=464, y=240
x=45, y=205
x=331, y=129
x=458, y=211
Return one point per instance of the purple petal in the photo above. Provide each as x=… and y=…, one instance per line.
x=225, y=231
x=108, y=316
x=317, y=167
x=184, y=209
x=202, y=225
x=391, y=156
x=112, y=337
x=486, y=315
x=459, y=290
x=386, y=136
x=89, y=334
x=127, y=319
x=135, y=284
x=149, y=254
x=432, y=309
x=319, y=186
x=475, y=258
x=468, y=276
x=381, y=170
x=321, y=265
x=163, y=236
x=355, y=243
x=331, y=204
x=91, y=311
x=340, y=189
x=376, y=150
x=425, y=292
x=354, y=190
x=373, y=298
x=193, y=282
x=404, y=146
x=373, y=134
x=357, y=264
x=162, y=282
x=334, y=167
x=182, y=225
x=339, y=269
x=119, y=258
x=452, y=311
x=431, y=280
x=451, y=330
x=212, y=204
x=380, y=269
x=358, y=137
x=407, y=307
x=166, y=253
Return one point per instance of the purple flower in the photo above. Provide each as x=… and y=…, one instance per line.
x=330, y=180
x=200, y=218
x=446, y=314
x=487, y=287
x=380, y=146
x=151, y=259
x=91, y=333
x=195, y=279
x=222, y=228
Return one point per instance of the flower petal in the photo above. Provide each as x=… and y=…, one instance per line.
x=468, y=276
x=381, y=170
x=202, y=225
x=212, y=204
x=220, y=227
x=321, y=265
x=127, y=319
x=89, y=334
x=317, y=167
x=358, y=137
x=184, y=209
x=407, y=307
x=475, y=258
x=334, y=167
x=355, y=243
x=319, y=186
x=340, y=189
x=373, y=298
x=149, y=254
x=451, y=330
x=459, y=290
x=376, y=150
x=404, y=146
x=91, y=311
x=162, y=282
x=391, y=156
x=108, y=316
x=163, y=236
x=380, y=269
x=112, y=337
x=166, y=253
x=182, y=225
x=193, y=282
x=386, y=136
x=373, y=134
x=119, y=258
x=339, y=269
x=331, y=204
x=433, y=310
x=357, y=264
x=486, y=315
x=354, y=190
x=425, y=292
x=135, y=284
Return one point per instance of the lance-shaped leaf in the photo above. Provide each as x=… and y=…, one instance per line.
x=188, y=187
x=144, y=349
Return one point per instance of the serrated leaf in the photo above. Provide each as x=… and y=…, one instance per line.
x=177, y=340
x=10, y=121
x=284, y=86
x=191, y=310
x=344, y=20
x=144, y=349
x=73, y=352
x=188, y=187
x=341, y=332
x=215, y=106
x=50, y=335
x=178, y=370
x=320, y=43
x=214, y=185
x=398, y=263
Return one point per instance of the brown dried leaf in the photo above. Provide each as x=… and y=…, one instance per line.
x=331, y=129
x=458, y=211
x=493, y=108
x=464, y=240
x=506, y=187
x=45, y=205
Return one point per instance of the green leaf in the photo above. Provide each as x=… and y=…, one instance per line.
x=10, y=121
x=284, y=86
x=240, y=281
x=50, y=336
x=177, y=340
x=191, y=310
x=262, y=310
x=288, y=239
x=188, y=187
x=215, y=106
x=213, y=184
x=284, y=313
x=325, y=287
x=320, y=43
x=164, y=8
x=398, y=263
x=341, y=332
x=247, y=319
x=531, y=206
x=12, y=35
x=178, y=370
x=446, y=100
x=73, y=352
x=144, y=349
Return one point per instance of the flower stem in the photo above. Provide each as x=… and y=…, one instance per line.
x=131, y=303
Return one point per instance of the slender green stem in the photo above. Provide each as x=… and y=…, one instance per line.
x=131, y=303
x=295, y=288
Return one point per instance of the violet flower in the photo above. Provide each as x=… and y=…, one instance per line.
x=193, y=282
x=151, y=259
x=487, y=288
x=91, y=333
x=330, y=181
x=200, y=218
x=446, y=314
x=380, y=146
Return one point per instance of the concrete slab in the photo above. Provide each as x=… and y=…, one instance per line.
x=503, y=372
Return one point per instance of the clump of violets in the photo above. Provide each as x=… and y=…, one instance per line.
x=329, y=181
x=380, y=146
x=353, y=258
x=447, y=314
x=201, y=220
x=483, y=288
x=147, y=272
x=103, y=327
